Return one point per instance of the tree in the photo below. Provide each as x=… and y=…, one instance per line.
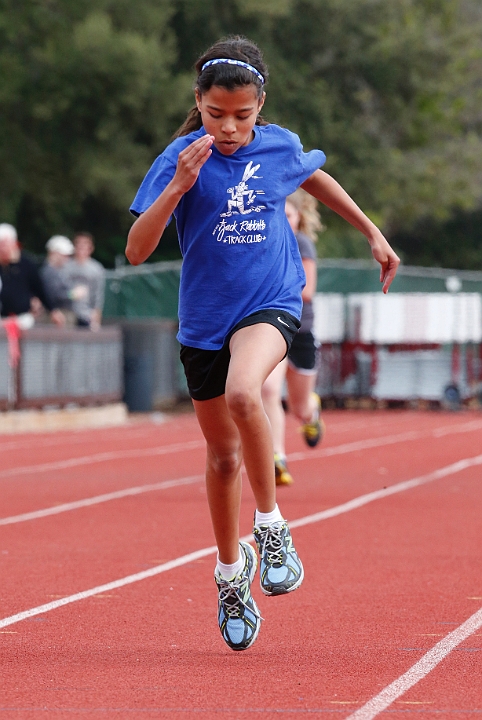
x=390, y=89
x=87, y=93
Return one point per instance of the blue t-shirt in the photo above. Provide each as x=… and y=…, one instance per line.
x=239, y=252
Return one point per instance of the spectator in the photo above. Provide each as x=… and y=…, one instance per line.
x=56, y=281
x=299, y=368
x=21, y=281
x=84, y=271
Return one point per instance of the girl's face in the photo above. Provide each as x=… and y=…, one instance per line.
x=293, y=216
x=229, y=115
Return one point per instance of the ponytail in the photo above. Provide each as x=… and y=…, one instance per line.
x=192, y=123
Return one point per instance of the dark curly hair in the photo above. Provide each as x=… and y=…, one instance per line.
x=226, y=76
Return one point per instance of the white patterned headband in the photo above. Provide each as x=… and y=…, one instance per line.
x=229, y=61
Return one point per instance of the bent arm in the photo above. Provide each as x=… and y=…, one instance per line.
x=147, y=230
x=328, y=191
x=309, y=290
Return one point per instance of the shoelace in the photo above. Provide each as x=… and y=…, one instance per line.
x=272, y=546
x=231, y=600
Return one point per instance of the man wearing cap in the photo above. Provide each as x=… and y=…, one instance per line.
x=20, y=280
x=56, y=281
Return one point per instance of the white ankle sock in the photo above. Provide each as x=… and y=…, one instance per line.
x=316, y=412
x=230, y=571
x=268, y=518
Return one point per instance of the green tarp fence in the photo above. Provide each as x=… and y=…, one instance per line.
x=151, y=290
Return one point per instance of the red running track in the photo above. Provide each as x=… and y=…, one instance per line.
x=108, y=606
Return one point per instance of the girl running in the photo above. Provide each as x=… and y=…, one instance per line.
x=225, y=178
x=299, y=368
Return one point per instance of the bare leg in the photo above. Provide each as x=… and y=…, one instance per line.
x=235, y=425
x=223, y=474
x=300, y=389
x=255, y=352
x=271, y=394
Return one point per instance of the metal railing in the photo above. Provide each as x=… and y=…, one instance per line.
x=61, y=367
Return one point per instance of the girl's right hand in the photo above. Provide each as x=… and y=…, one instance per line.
x=190, y=162
x=148, y=228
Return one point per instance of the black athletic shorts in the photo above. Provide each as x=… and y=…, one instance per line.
x=302, y=353
x=206, y=370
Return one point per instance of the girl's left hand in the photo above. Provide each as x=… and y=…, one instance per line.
x=387, y=257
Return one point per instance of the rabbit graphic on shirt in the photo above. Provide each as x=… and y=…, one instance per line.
x=242, y=198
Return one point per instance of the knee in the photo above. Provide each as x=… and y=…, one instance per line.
x=226, y=465
x=242, y=403
x=269, y=393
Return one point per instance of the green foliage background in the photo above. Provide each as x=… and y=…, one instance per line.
x=90, y=93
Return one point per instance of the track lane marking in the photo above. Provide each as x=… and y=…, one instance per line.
x=390, y=490
x=464, y=427
x=190, y=557
x=76, y=437
x=419, y=671
x=129, y=579
x=293, y=457
x=96, y=499
x=388, y=440
x=132, y=431
x=103, y=457
x=195, y=444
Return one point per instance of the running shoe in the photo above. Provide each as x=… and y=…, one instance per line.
x=283, y=476
x=281, y=570
x=238, y=615
x=314, y=430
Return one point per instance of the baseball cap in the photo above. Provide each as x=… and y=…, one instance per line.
x=7, y=232
x=60, y=244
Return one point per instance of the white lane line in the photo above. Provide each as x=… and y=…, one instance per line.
x=106, y=497
x=102, y=457
x=358, y=445
x=195, y=444
x=183, y=560
x=463, y=427
x=75, y=437
x=388, y=440
x=391, y=490
x=417, y=672
x=294, y=457
x=116, y=433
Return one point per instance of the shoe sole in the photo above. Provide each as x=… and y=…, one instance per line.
x=279, y=591
x=253, y=554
